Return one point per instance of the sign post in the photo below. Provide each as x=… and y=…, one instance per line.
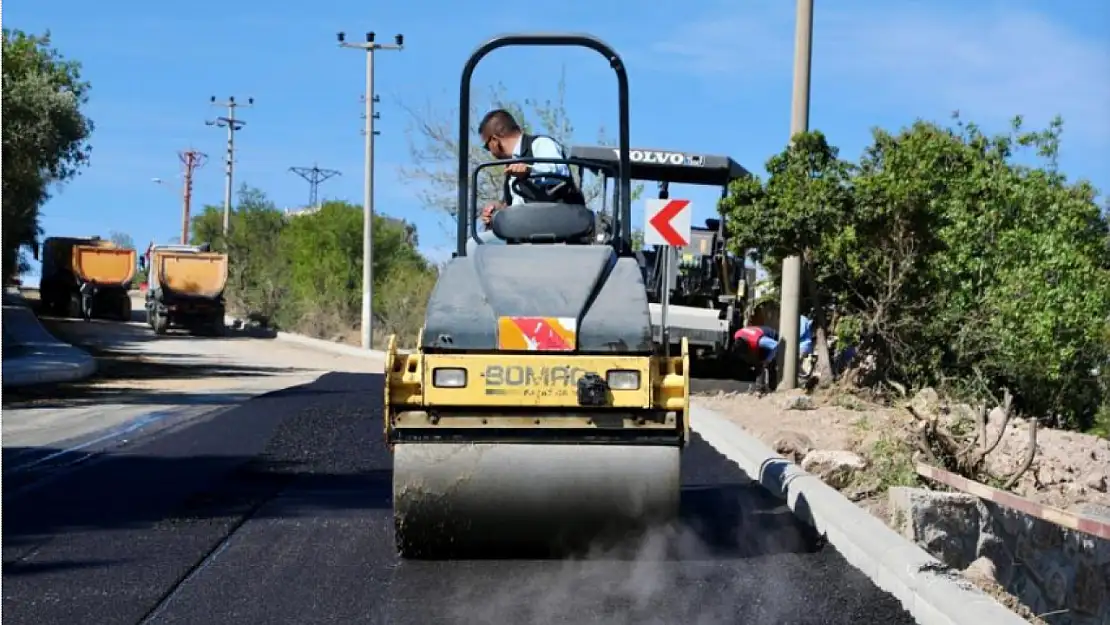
x=667, y=226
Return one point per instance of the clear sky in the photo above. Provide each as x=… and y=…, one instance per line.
x=706, y=75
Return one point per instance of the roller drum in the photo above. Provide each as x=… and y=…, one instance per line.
x=482, y=499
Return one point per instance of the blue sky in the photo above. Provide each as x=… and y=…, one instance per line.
x=708, y=76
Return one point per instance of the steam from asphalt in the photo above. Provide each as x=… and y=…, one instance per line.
x=670, y=574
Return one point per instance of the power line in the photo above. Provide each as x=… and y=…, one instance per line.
x=232, y=124
x=314, y=176
x=191, y=159
x=368, y=189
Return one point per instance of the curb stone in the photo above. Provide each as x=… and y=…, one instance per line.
x=930, y=592
x=46, y=360
x=335, y=348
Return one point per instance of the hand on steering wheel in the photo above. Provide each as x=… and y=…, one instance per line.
x=526, y=188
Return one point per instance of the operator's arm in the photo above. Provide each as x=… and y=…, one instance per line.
x=543, y=147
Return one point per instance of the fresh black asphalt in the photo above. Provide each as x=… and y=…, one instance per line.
x=278, y=511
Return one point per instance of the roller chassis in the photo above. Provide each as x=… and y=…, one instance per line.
x=535, y=412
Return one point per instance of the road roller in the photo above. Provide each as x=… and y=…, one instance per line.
x=535, y=414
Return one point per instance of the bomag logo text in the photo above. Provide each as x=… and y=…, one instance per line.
x=522, y=376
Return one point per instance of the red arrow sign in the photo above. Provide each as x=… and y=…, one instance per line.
x=662, y=222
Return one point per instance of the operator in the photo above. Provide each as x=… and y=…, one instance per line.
x=758, y=346
x=503, y=138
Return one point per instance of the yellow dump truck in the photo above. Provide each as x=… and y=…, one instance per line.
x=71, y=262
x=186, y=289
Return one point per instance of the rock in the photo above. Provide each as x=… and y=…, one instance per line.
x=835, y=468
x=798, y=402
x=926, y=403
x=983, y=570
x=996, y=416
x=944, y=524
x=792, y=445
x=1096, y=482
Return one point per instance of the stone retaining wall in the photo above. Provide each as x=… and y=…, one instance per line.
x=1061, y=574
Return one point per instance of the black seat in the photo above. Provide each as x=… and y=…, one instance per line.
x=544, y=223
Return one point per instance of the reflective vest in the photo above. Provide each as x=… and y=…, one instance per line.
x=749, y=335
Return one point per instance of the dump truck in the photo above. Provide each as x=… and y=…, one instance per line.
x=186, y=289
x=536, y=414
x=710, y=288
x=68, y=263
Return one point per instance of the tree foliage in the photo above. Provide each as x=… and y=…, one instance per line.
x=45, y=134
x=434, y=146
x=304, y=271
x=121, y=240
x=945, y=261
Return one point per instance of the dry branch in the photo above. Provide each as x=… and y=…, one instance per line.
x=966, y=453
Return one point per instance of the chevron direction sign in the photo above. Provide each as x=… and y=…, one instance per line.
x=667, y=222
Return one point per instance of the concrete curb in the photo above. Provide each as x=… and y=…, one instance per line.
x=46, y=359
x=931, y=594
x=329, y=346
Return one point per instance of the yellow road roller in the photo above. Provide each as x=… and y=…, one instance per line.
x=536, y=413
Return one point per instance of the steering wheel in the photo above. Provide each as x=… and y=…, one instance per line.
x=533, y=192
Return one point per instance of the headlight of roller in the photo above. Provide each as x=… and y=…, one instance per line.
x=449, y=378
x=621, y=380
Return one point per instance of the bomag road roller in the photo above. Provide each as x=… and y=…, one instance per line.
x=536, y=414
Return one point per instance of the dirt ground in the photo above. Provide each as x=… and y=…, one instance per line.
x=1070, y=471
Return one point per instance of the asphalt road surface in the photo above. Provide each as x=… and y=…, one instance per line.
x=277, y=510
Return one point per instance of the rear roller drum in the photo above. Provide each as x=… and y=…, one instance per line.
x=482, y=500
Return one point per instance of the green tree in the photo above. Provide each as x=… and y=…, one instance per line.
x=45, y=134
x=434, y=146
x=257, y=267
x=945, y=260
x=806, y=197
x=304, y=272
x=121, y=239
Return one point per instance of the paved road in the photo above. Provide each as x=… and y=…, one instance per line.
x=277, y=511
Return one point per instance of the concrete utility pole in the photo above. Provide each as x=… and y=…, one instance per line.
x=792, y=266
x=314, y=176
x=191, y=159
x=232, y=124
x=368, y=189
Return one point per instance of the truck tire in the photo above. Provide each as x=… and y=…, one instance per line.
x=160, y=323
x=125, y=309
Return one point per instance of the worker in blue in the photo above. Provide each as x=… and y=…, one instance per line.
x=805, y=336
x=758, y=346
x=503, y=138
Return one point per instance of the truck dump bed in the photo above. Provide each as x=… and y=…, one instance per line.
x=198, y=274
x=103, y=265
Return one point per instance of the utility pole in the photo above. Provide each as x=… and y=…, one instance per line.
x=191, y=159
x=314, y=176
x=792, y=265
x=368, y=188
x=232, y=124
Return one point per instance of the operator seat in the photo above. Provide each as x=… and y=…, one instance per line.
x=543, y=222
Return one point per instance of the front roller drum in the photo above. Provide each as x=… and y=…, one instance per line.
x=497, y=500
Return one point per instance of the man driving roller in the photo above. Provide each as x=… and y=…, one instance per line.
x=503, y=138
